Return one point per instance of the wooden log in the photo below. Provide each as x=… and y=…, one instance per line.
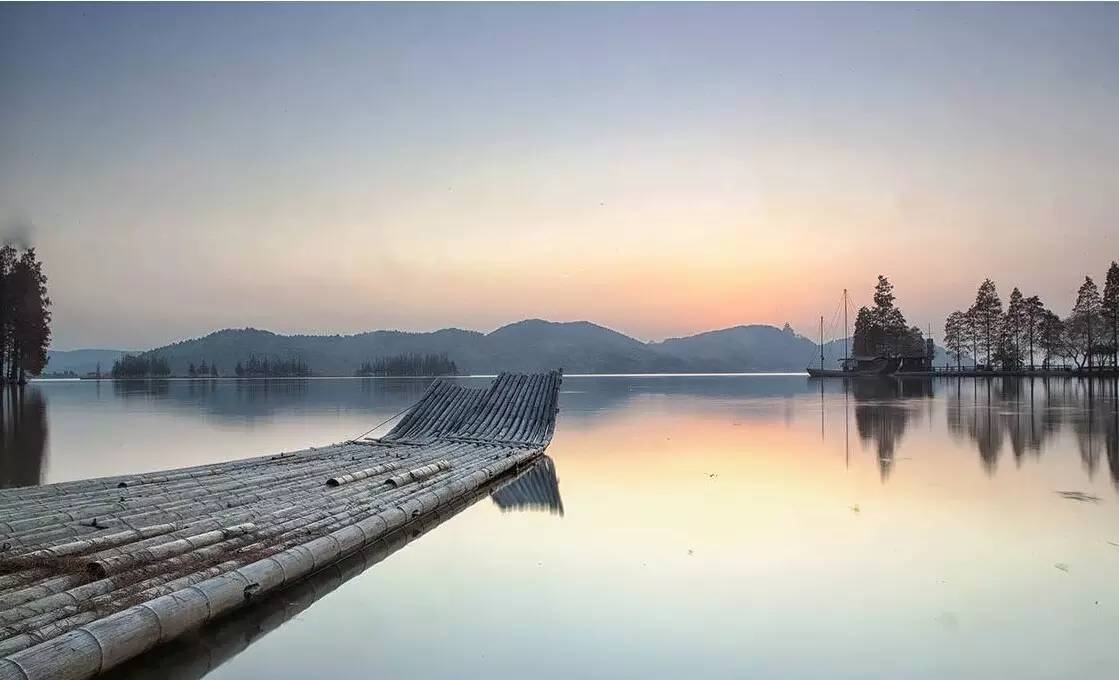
x=416, y=474
x=364, y=473
x=112, y=565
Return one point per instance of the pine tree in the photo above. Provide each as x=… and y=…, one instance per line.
x=28, y=317
x=1110, y=304
x=988, y=317
x=1014, y=329
x=955, y=336
x=1051, y=335
x=882, y=329
x=1034, y=310
x=1083, y=325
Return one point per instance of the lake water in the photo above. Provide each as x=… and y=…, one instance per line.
x=725, y=526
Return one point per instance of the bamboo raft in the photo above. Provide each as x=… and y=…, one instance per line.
x=96, y=572
x=193, y=657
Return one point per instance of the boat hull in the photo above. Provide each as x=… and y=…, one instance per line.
x=834, y=373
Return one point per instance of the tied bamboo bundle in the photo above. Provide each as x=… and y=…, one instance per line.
x=95, y=572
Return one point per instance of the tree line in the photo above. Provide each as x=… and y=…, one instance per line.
x=141, y=366
x=25, y=315
x=410, y=364
x=1015, y=338
x=274, y=367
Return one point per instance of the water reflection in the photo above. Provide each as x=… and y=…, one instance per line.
x=247, y=399
x=197, y=654
x=883, y=409
x=536, y=489
x=1020, y=415
x=1024, y=413
x=1029, y=413
x=23, y=436
x=936, y=542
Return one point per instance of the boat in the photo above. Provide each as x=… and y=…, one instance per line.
x=856, y=367
x=850, y=367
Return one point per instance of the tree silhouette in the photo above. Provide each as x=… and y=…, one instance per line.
x=24, y=315
x=988, y=316
x=1034, y=310
x=1014, y=328
x=1051, y=335
x=882, y=329
x=1083, y=325
x=145, y=365
x=955, y=336
x=1110, y=305
x=408, y=365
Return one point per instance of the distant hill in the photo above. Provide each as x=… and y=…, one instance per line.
x=743, y=348
x=530, y=345
x=578, y=347
x=81, y=361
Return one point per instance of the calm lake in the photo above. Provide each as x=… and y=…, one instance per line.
x=732, y=526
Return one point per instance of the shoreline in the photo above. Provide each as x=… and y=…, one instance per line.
x=1109, y=374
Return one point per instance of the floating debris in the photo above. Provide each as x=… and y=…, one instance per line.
x=1079, y=496
x=855, y=508
x=1062, y=566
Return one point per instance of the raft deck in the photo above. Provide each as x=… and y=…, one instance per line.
x=96, y=572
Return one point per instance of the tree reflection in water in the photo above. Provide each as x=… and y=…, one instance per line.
x=23, y=436
x=883, y=408
x=1030, y=412
x=993, y=412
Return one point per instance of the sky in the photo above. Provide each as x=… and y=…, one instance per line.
x=661, y=169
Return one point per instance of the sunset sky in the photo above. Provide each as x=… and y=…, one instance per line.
x=659, y=169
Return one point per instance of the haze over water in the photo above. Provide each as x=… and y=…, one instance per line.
x=735, y=526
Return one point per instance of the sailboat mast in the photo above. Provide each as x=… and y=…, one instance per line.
x=821, y=343
x=846, y=355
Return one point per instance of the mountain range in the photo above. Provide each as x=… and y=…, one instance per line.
x=529, y=345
